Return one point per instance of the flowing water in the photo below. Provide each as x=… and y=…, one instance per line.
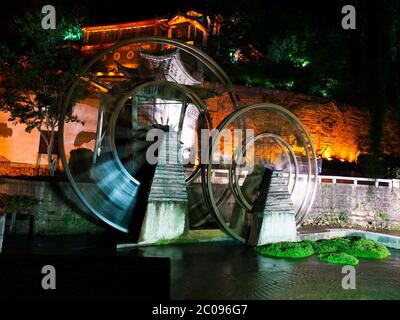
x=235, y=271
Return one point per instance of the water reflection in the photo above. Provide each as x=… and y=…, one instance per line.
x=234, y=271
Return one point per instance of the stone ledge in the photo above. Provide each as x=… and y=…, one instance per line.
x=386, y=239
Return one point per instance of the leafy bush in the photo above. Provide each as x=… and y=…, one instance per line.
x=325, y=246
x=287, y=249
x=339, y=258
x=339, y=250
x=364, y=248
x=341, y=243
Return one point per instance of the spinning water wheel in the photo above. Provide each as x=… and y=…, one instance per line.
x=166, y=83
x=161, y=83
x=270, y=138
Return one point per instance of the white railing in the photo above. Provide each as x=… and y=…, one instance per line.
x=220, y=176
x=355, y=181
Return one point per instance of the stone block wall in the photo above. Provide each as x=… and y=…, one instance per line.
x=355, y=206
x=58, y=211
x=338, y=130
x=14, y=169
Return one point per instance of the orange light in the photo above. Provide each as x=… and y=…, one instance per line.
x=129, y=25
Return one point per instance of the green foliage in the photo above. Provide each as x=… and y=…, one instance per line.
x=325, y=246
x=39, y=68
x=338, y=250
x=73, y=33
x=364, y=248
x=341, y=243
x=382, y=215
x=16, y=203
x=339, y=258
x=39, y=71
x=343, y=216
x=330, y=246
x=287, y=249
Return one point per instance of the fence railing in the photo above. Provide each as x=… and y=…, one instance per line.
x=220, y=176
x=355, y=181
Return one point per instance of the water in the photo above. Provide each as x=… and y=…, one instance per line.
x=235, y=271
x=230, y=270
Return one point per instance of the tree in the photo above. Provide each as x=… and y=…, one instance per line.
x=38, y=71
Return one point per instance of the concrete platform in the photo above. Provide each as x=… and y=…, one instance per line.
x=216, y=235
x=192, y=237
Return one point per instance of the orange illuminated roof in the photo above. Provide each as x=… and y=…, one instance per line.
x=127, y=25
x=178, y=19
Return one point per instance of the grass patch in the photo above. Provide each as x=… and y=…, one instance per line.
x=364, y=248
x=293, y=250
x=339, y=258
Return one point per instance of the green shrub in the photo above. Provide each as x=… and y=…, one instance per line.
x=339, y=258
x=364, y=248
x=287, y=249
x=339, y=250
x=341, y=243
x=325, y=246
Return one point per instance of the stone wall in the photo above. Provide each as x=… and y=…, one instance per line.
x=58, y=211
x=363, y=206
x=14, y=169
x=338, y=130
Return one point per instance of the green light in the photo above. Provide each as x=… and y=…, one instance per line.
x=324, y=93
x=73, y=33
x=289, y=84
x=299, y=61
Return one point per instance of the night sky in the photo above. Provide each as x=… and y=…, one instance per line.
x=102, y=12
x=95, y=12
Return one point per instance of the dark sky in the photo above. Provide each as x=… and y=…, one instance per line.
x=95, y=12
x=114, y=11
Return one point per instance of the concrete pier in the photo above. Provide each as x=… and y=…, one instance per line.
x=166, y=215
x=274, y=216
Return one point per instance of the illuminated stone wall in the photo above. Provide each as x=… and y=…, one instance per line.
x=19, y=149
x=339, y=131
